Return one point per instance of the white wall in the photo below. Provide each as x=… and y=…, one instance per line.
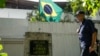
x=13, y=28
x=14, y=49
x=65, y=45
x=13, y=46
x=64, y=37
x=14, y=13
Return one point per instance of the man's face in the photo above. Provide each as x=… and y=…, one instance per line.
x=80, y=17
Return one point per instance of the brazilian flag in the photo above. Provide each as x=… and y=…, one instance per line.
x=2, y=3
x=50, y=11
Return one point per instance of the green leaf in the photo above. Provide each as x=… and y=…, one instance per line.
x=3, y=54
x=2, y=3
x=1, y=47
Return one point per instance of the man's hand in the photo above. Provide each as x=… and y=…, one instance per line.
x=91, y=49
x=77, y=30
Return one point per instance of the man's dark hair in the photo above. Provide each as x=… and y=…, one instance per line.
x=79, y=12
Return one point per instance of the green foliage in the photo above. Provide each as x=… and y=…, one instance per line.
x=1, y=47
x=2, y=3
x=3, y=54
x=68, y=8
x=37, y=17
x=91, y=7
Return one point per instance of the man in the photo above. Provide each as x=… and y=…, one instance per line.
x=87, y=34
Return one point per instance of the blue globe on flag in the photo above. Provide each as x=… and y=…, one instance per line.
x=47, y=9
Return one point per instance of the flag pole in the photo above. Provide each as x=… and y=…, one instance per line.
x=39, y=9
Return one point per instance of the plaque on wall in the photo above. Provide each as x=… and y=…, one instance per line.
x=39, y=47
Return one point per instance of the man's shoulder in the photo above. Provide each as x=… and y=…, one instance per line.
x=89, y=21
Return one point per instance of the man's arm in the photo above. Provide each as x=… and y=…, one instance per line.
x=94, y=33
x=93, y=43
x=94, y=36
